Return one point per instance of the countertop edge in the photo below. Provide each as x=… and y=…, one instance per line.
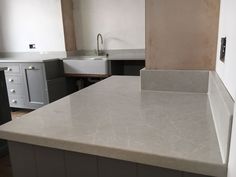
x=114, y=55
x=121, y=154
x=27, y=60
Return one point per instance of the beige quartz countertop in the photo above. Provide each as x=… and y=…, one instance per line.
x=115, y=119
x=24, y=60
x=28, y=59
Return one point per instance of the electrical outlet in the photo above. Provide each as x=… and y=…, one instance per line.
x=32, y=46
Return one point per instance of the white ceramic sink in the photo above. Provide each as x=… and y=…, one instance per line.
x=96, y=65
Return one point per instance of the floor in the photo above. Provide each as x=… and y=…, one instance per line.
x=18, y=113
x=5, y=165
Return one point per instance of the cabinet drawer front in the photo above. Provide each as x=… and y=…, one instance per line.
x=12, y=69
x=13, y=80
x=17, y=102
x=32, y=66
x=16, y=90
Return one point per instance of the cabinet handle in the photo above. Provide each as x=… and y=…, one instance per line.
x=11, y=80
x=12, y=90
x=31, y=68
x=9, y=69
x=14, y=101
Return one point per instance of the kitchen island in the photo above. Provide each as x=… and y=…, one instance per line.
x=113, y=127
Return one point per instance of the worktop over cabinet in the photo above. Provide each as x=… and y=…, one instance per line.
x=34, y=84
x=115, y=119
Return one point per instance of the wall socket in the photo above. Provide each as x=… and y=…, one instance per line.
x=223, y=49
x=32, y=46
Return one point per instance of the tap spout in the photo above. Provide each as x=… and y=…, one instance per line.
x=99, y=51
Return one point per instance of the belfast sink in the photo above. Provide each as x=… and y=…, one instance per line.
x=86, y=65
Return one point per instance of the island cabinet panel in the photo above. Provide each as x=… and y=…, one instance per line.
x=50, y=162
x=36, y=161
x=22, y=160
x=83, y=165
x=193, y=175
x=116, y=168
x=149, y=171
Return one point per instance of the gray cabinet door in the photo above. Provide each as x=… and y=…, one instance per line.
x=35, y=80
x=22, y=159
x=81, y=165
x=150, y=171
x=116, y=168
x=50, y=162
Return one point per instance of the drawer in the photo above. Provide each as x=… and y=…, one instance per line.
x=17, y=102
x=16, y=90
x=12, y=69
x=14, y=80
x=32, y=66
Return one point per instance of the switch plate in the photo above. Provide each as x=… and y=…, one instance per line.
x=223, y=49
x=32, y=46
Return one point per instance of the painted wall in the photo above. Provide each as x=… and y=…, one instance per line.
x=181, y=34
x=227, y=70
x=31, y=21
x=121, y=22
x=232, y=156
x=227, y=27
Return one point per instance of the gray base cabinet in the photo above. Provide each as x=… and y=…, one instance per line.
x=35, y=161
x=33, y=85
x=5, y=115
x=126, y=67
